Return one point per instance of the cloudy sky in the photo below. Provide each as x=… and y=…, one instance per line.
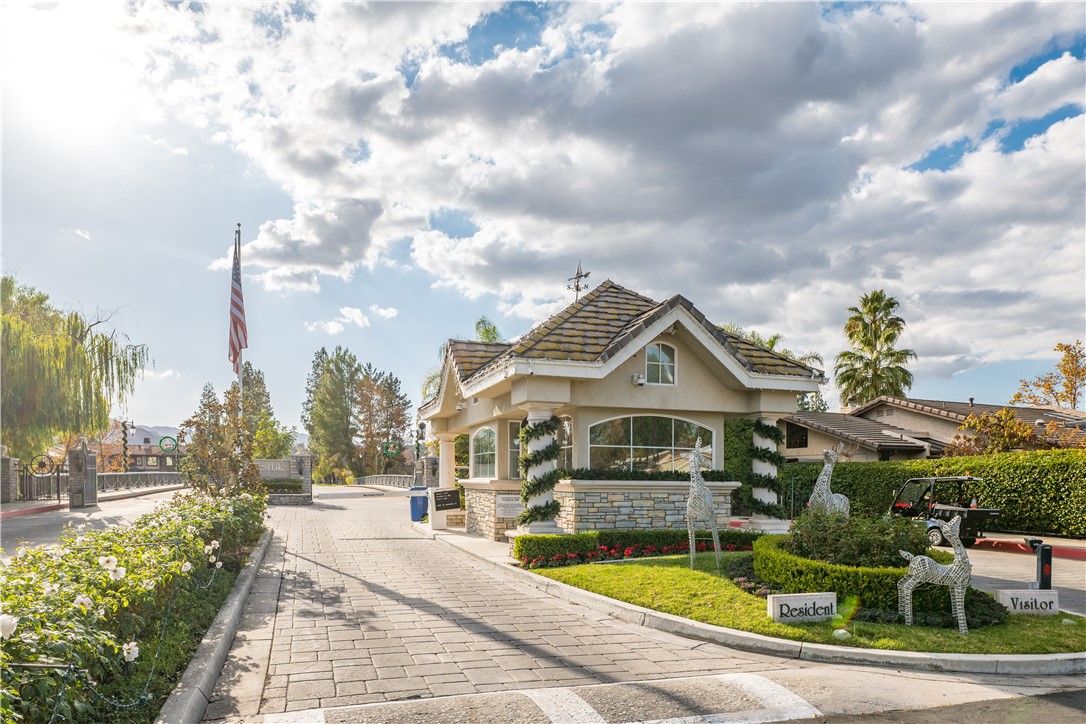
x=400, y=169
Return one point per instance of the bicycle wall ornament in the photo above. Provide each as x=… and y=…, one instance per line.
x=391, y=448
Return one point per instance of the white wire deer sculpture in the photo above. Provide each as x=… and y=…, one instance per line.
x=956, y=575
x=700, y=504
x=823, y=500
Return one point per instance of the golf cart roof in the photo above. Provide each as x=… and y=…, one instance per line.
x=948, y=479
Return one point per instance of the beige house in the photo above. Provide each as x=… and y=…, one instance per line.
x=897, y=428
x=634, y=382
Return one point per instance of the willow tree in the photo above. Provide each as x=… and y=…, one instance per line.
x=61, y=371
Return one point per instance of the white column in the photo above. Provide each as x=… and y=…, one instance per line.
x=446, y=471
x=537, y=414
x=760, y=467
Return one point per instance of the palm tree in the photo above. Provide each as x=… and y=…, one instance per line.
x=485, y=331
x=873, y=367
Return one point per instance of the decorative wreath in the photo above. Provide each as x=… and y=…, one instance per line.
x=391, y=448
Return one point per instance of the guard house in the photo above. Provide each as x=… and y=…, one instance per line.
x=634, y=383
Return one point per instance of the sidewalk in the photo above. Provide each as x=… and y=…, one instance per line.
x=20, y=508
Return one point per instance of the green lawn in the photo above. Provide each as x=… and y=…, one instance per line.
x=668, y=585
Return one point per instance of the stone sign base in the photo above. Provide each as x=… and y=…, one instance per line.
x=1032, y=602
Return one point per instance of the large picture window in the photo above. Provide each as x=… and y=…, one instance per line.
x=647, y=442
x=483, y=453
x=660, y=364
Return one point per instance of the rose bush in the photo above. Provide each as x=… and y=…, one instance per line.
x=86, y=601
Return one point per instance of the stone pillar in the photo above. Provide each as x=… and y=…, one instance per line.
x=431, y=475
x=301, y=467
x=77, y=479
x=447, y=459
x=765, y=495
x=537, y=414
x=9, y=480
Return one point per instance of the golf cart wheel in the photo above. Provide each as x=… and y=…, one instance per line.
x=935, y=537
x=968, y=542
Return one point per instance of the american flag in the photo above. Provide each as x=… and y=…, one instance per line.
x=239, y=336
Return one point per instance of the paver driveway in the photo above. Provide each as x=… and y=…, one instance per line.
x=353, y=606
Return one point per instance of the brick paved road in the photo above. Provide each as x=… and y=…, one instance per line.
x=353, y=606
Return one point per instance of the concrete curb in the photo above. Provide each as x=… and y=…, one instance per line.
x=1035, y=664
x=189, y=699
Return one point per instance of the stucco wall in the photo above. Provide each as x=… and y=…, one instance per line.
x=914, y=421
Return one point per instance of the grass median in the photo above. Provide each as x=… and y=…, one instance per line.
x=668, y=585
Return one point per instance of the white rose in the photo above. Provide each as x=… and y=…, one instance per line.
x=7, y=625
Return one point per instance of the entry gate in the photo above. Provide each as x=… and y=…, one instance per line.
x=43, y=479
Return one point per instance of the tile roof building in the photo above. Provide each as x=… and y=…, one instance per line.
x=635, y=382
x=895, y=428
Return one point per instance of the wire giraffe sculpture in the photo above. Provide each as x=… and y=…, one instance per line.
x=699, y=505
x=823, y=500
x=956, y=575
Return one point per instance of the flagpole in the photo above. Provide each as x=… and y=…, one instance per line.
x=241, y=364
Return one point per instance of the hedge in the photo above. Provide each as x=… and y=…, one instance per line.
x=547, y=546
x=875, y=588
x=1042, y=491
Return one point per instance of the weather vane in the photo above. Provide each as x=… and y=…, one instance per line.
x=576, y=279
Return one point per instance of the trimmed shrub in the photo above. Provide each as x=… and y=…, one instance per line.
x=1041, y=491
x=874, y=587
x=283, y=486
x=855, y=541
x=618, y=544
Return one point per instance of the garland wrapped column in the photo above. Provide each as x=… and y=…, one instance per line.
x=539, y=442
x=765, y=459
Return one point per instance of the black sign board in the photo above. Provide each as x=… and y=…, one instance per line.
x=447, y=499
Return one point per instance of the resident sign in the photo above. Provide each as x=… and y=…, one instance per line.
x=795, y=607
x=1037, y=603
x=273, y=469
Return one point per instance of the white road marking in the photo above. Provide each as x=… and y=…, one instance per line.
x=780, y=704
x=562, y=706
x=309, y=716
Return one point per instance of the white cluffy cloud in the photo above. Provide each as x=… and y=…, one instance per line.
x=347, y=315
x=383, y=312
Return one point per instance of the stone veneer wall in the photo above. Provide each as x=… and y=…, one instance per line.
x=480, y=499
x=599, y=505
x=633, y=505
x=9, y=480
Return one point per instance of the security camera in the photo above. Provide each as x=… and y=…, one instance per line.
x=639, y=379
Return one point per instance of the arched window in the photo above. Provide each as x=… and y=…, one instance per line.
x=660, y=364
x=647, y=442
x=484, y=448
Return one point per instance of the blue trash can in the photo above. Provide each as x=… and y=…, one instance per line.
x=420, y=502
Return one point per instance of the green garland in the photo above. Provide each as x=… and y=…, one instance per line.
x=751, y=479
x=542, y=483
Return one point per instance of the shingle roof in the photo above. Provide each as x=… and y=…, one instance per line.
x=610, y=317
x=468, y=356
x=860, y=430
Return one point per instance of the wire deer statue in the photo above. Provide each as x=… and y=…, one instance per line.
x=956, y=575
x=823, y=500
x=700, y=505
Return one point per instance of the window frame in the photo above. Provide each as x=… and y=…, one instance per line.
x=514, y=450
x=792, y=436
x=660, y=366
x=474, y=470
x=630, y=447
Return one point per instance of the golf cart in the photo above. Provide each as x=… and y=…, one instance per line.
x=931, y=501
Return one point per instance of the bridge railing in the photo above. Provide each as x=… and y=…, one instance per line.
x=135, y=481
x=395, y=481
